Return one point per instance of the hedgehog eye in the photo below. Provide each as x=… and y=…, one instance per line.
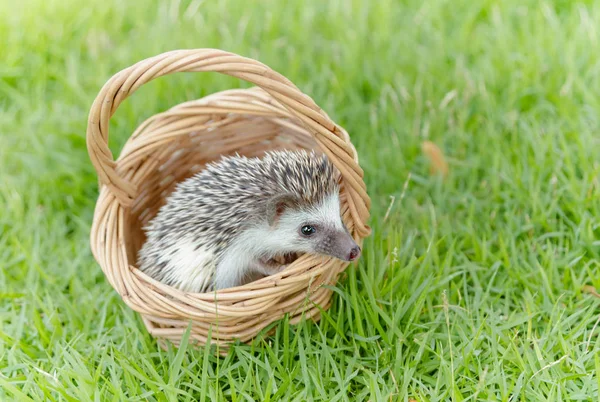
x=308, y=230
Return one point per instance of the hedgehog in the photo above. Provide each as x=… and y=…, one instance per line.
x=241, y=218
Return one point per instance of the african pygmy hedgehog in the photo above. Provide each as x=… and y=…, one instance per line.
x=231, y=220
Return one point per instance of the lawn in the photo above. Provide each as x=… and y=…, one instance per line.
x=479, y=286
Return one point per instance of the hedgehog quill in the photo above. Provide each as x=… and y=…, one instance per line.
x=239, y=215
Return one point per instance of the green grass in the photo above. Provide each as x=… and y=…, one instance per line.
x=472, y=289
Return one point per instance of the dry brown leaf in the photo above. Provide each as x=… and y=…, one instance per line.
x=591, y=290
x=436, y=158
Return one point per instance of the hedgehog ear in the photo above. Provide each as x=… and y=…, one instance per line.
x=277, y=205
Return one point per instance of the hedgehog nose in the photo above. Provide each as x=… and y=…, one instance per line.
x=354, y=253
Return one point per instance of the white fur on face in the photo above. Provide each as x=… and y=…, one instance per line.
x=326, y=213
x=244, y=253
x=285, y=237
x=264, y=241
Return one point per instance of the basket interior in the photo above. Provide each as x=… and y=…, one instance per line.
x=174, y=145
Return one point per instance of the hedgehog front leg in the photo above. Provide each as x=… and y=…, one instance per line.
x=232, y=269
x=270, y=266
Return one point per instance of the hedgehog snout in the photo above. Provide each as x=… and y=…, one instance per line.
x=354, y=253
x=340, y=245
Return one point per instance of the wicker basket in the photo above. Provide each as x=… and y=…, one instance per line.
x=176, y=144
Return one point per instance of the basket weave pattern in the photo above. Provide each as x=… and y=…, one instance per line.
x=176, y=144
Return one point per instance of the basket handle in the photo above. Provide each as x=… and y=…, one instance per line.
x=330, y=137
